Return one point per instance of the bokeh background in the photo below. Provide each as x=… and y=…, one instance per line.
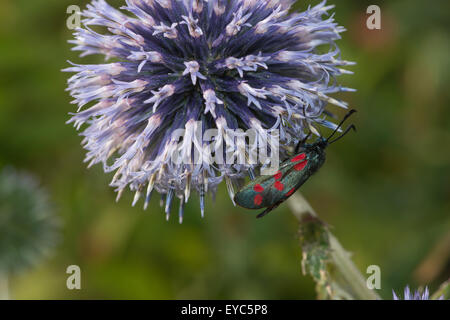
x=385, y=190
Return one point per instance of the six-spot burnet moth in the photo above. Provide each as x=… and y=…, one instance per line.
x=270, y=191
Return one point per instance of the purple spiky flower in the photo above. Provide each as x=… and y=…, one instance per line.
x=185, y=64
x=417, y=295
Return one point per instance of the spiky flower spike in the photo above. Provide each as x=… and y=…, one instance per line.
x=408, y=295
x=225, y=64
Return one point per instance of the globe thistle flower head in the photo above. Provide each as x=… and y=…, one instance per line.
x=198, y=65
x=29, y=230
x=417, y=295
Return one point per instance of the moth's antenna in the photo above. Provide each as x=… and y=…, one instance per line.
x=348, y=115
x=352, y=127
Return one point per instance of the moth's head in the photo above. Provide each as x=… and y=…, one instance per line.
x=322, y=142
x=320, y=145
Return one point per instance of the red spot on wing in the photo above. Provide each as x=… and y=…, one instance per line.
x=290, y=192
x=300, y=166
x=258, y=188
x=298, y=158
x=278, y=185
x=258, y=199
x=278, y=175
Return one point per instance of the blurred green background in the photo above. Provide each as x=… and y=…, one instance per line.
x=385, y=190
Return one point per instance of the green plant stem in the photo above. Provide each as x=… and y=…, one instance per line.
x=443, y=292
x=353, y=279
x=4, y=287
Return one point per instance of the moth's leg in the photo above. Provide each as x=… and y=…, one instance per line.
x=267, y=211
x=301, y=143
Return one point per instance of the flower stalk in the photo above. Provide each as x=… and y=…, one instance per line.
x=325, y=259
